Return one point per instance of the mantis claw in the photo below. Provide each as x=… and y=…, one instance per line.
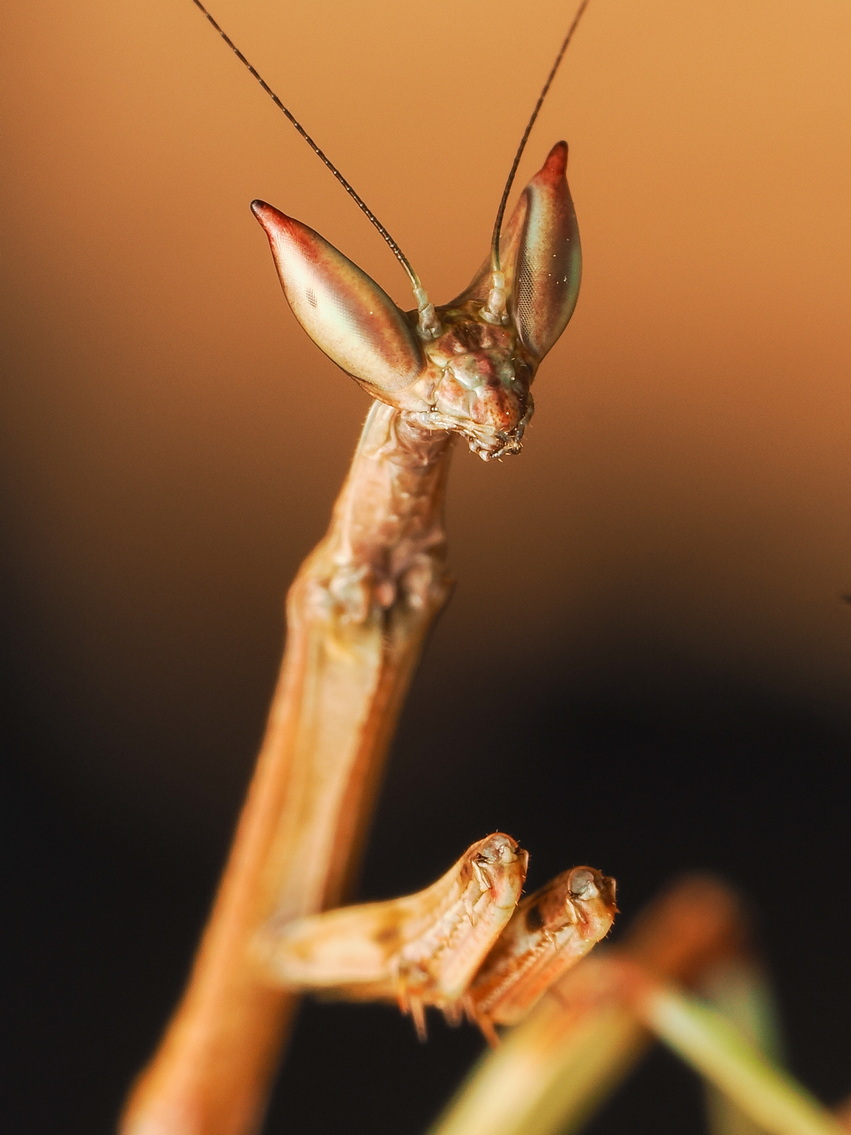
x=415, y=1007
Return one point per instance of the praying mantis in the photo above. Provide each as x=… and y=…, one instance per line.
x=643, y=86
x=358, y=613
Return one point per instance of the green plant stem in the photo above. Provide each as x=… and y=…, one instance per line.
x=713, y=1046
x=739, y=989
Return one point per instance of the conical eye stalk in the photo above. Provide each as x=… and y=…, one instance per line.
x=541, y=259
x=548, y=260
x=342, y=309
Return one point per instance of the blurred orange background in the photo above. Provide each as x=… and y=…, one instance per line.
x=173, y=442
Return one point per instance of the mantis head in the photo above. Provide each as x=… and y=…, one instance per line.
x=466, y=366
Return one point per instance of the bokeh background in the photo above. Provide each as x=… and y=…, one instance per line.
x=645, y=665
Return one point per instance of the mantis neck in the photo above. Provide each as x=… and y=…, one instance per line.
x=385, y=549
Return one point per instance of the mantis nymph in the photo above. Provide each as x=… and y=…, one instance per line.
x=357, y=616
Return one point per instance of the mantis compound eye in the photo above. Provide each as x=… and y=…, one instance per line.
x=547, y=258
x=541, y=259
x=342, y=309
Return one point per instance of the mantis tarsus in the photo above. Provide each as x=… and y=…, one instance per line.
x=357, y=616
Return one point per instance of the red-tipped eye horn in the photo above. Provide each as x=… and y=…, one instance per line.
x=345, y=313
x=546, y=261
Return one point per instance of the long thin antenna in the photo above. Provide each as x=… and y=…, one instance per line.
x=426, y=311
x=532, y=119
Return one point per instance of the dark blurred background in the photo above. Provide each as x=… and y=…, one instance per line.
x=645, y=665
